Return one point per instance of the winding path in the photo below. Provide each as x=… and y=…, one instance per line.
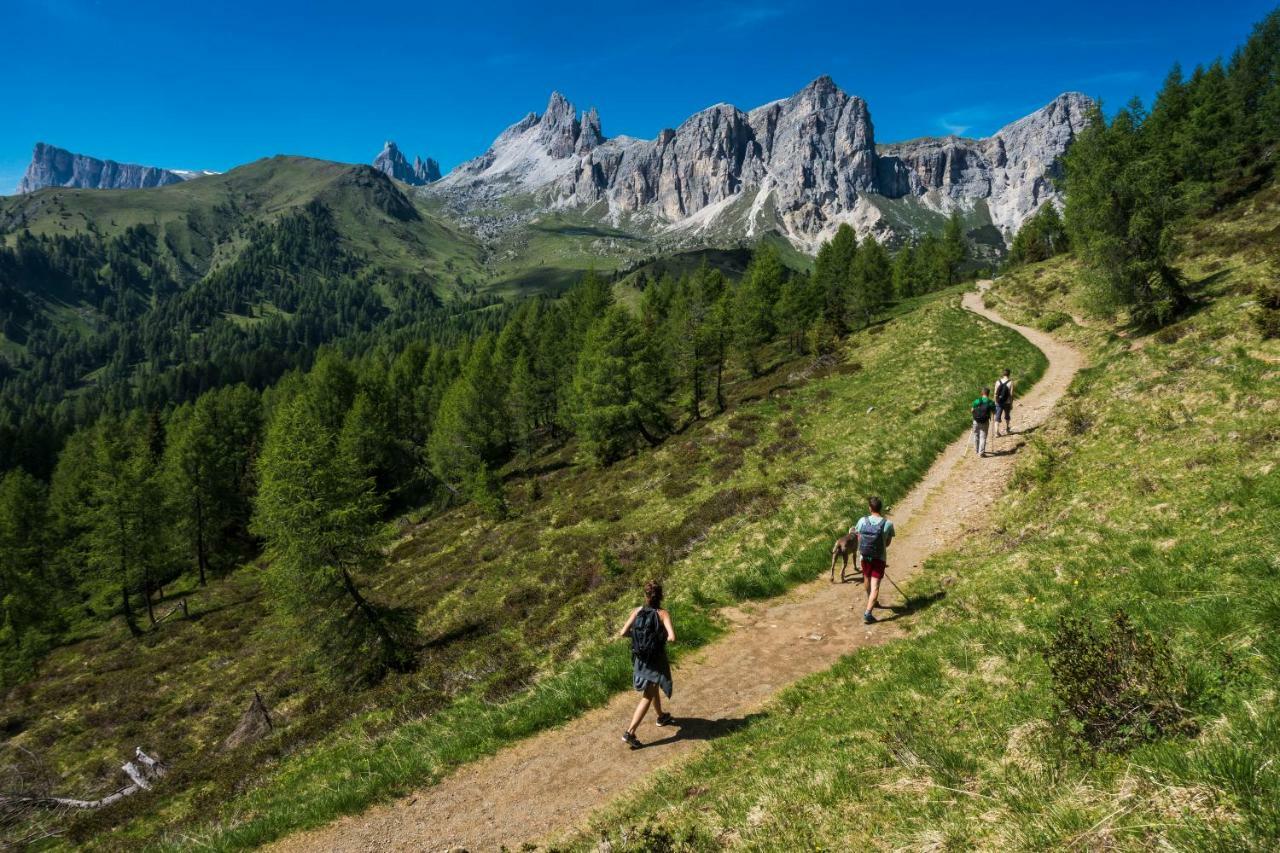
x=548, y=784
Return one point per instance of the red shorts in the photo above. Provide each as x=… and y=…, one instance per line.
x=873, y=568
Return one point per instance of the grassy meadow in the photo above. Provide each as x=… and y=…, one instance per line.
x=1155, y=493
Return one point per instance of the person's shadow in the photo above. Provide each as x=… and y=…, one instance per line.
x=700, y=728
x=912, y=605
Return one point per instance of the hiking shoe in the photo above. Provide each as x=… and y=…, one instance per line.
x=665, y=720
x=868, y=618
x=631, y=740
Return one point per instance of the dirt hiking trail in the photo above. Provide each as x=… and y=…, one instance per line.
x=549, y=784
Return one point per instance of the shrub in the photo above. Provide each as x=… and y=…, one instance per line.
x=1267, y=315
x=1077, y=418
x=1052, y=320
x=654, y=839
x=1116, y=685
x=1038, y=467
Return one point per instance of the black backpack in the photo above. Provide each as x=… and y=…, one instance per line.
x=648, y=636
x=1003, y=392
x=982, y=412
x=871, y=540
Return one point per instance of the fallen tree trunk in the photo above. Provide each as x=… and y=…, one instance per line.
x=142, y=774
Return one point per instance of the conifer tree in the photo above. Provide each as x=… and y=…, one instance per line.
x=752, y=322
x=687, y=343
x=523, y=404
x=832, y=269
x=1121, y=213
x=469, y=436
x=794, y=311
x=871, y=280
x=29, y=594
x=320, y=518
x=129, y=536
x=954, y=250
x=904, y=273
x=931, y=265
x=611, y=394
x=207, y=469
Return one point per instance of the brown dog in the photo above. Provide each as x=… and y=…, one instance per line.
x=846, y=546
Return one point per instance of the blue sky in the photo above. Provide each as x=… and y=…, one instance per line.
x=213, y=85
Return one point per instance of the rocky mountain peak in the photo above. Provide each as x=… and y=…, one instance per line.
x=559, y=128
x=392, y=163
x=590, y=135
x=57, y=167
x=426, y=171
x=821, y=85
x=804, y=164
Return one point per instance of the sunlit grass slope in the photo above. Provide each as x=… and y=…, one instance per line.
x=1155, y=492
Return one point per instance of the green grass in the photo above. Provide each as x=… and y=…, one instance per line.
x=1156, y=491
x=517, y=613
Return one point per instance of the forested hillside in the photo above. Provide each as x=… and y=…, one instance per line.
x=146, y=298
x=158, y=506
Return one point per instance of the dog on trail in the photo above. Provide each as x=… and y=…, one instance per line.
x=846, y=547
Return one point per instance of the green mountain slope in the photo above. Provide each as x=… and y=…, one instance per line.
x=514, y=612
x=1154, y=494
x=145, y=297
x=199, y=223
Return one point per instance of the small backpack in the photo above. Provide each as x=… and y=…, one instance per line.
x=982, y=411
x=1002, y=392
x=648, y=636
x=871, y=540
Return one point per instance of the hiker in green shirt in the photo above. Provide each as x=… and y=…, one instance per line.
x=982, y=409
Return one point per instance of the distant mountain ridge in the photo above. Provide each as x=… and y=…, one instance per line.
x=801, y=165
x=52, y=166
x=392, y=163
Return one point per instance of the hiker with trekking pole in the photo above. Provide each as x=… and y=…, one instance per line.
x=875, y=533
x=650, y=629
x=982, y=408
x=1004, y=402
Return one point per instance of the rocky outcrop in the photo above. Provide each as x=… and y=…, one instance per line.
x=392, y=163
x=807, y=163
x=1013, y=169
x=56, y=167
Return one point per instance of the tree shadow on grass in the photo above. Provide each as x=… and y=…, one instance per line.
x=701, y=728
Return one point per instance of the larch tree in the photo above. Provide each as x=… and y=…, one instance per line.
x=870, y=281
x=611, y=395
x=320, y=518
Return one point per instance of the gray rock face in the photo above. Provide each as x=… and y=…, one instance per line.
x=392, y=163
x=426, y=171
x=808, y=163
x=1013, y=169
x=56, y=167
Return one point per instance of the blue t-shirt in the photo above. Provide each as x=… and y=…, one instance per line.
x=875, y=521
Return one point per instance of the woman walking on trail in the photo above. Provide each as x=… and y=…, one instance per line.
x=650, y=629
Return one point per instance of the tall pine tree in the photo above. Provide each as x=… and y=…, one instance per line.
x=320, y=517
